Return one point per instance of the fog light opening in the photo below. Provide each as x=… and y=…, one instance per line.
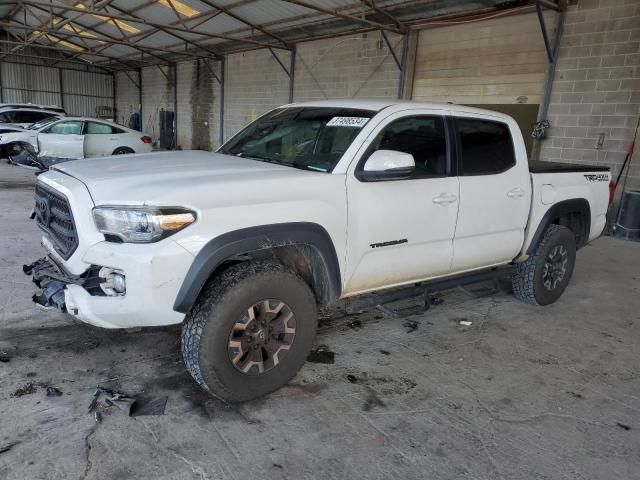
x=113, y=282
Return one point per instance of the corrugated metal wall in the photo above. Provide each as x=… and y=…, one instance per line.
x=81, y=93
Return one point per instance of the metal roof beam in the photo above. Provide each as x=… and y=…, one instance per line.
x=93, y=51
x=57, y=49
x=352, y=18
x=143, y=21
x=371, y=4
x=228, y=12
x=168, y=32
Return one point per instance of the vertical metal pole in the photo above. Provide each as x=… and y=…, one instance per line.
x=175, y=106
x=292, y=73
x=114, y=91
x=61, y=81
x=403, y=65
x=551, y=70
x=548, y=83
x=1, y=85
x=140, y=97
x=222, y=62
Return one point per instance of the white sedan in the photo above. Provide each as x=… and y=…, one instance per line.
x=71, y=138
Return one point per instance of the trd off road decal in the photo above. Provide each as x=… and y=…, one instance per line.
x=600, y=177
x=389, y=243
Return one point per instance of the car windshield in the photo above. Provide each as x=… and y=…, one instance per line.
x=310, y=138
x=42, y=123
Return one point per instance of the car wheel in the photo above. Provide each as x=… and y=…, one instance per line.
x=250, y=331
x=544, y=276
x=122, y=151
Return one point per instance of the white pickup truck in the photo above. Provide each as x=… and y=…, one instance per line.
x=311, y=203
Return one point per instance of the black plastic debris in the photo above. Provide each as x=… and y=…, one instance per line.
x=623, y=426
x=321, y=354
x=53, y=392
x=411, y=325
x=148, y=406
x=352, y=378
x=133, y=406
x=7, y=447
x=4, y=357
x=384, y=352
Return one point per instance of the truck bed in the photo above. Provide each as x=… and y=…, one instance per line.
x=551, y=167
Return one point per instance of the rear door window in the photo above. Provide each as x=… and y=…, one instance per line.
x=99, y=128
x=486, y=147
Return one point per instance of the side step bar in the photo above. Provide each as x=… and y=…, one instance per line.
x=426, y=288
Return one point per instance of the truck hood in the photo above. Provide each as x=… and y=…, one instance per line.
x=174, y=178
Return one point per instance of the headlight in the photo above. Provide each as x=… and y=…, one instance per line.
x=141, y=224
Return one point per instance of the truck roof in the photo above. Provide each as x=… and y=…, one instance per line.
x=377, y=105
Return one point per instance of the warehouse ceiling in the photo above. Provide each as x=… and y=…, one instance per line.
x=126, y=34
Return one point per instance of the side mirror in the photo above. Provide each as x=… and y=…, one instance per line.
x=387, y=165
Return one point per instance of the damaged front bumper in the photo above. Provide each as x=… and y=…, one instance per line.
x=52, y=280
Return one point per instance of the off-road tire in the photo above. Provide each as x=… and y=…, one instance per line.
x=528, y=281
x=206, y=329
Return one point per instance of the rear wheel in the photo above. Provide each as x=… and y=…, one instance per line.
x=250, y=331
x=122, y=151
x=544, y=276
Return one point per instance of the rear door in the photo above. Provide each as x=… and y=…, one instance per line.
x=495, y=191
x=62, y=140
x=102, y=139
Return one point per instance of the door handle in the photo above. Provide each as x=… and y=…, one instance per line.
x=444, y=198
x=515, y=193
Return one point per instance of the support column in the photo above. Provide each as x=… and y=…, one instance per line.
x=222, y=64
x=175, y=106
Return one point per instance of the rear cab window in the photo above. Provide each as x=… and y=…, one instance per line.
x=485, y=147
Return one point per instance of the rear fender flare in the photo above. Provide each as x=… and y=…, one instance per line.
x=574, y=205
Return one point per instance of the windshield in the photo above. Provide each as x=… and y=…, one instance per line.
x=42, y=123
x=311, y=138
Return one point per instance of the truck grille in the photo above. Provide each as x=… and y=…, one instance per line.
x=53, y=215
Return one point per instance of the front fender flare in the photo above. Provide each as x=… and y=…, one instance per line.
x=326, y=272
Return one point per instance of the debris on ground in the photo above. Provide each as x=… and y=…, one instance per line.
x=387, y=311
x=465, y=323
x=352, y=378
x=576, y=395
x=411, y=325
x=4, y=357
x=148, y=406
x=26, y=389
x=384, y=352
x=321, y=354
x=355, y=324
x=623, y=426
x=7, y=447
x=435, y=300
x=133, y=406
x=53, y=392
x=372, y=400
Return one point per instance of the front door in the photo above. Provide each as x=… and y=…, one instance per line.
x=495, y=192
x=401, y=231
x=62, y=140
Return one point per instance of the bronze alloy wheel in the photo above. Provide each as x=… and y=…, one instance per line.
x=262, y=337
x=555, y=267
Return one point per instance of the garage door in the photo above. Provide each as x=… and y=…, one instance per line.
x=497, y=64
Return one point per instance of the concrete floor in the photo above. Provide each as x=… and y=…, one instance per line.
x=523, y=392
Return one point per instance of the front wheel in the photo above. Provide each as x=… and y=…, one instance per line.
x=250, y=331
x=544, y=276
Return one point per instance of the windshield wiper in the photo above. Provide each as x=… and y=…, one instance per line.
x=259, y=159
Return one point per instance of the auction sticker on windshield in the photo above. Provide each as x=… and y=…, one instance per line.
x=357, y=122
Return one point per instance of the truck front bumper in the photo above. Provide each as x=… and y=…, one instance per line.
x=153, y=275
